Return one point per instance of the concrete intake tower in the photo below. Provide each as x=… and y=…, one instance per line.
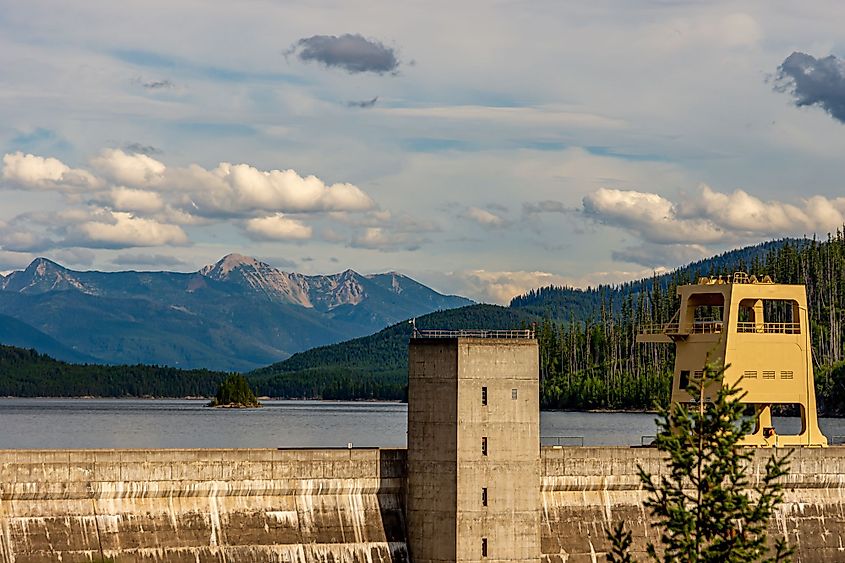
x=473, y=447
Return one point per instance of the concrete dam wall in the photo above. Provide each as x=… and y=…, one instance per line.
x=336, y=505
x=586, y=489
x=339, y=506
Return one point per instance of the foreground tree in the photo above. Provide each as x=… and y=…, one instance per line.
x=706, y=507
x=234, y=392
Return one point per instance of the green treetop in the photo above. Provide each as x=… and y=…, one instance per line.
x=234, y=392
x=705, y=505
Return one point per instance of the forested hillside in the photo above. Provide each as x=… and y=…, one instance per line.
x=588, y=355
x=26, y=373
x=595, y=362
x=375, y=366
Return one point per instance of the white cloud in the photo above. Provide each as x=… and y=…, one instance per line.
x=651, y=216
x=278, y=227
x=31, y=171
x=234, y=189
x=711, y=217
x=484, y=218
x=127, y=199
x=132, y=169
x=742, y=212
x=117, y=229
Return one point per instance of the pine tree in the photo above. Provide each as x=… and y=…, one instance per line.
x=705, y=505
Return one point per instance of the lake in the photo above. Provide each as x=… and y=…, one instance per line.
x=179, y=423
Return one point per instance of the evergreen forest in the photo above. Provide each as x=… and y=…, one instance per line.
x=588, y=355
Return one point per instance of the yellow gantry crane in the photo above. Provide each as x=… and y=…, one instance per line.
x=760, y=330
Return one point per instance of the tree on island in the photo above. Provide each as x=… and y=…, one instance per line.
x=234, y=392
x=705, y=506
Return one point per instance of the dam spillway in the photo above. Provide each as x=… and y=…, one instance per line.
x=338, y=505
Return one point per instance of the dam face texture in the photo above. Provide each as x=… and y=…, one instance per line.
x=441, y=500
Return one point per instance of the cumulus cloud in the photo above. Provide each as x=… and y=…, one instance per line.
x=31, y=171
x=363, y=104
x=134, y=169
x=351, y=52
x=234, y=189
x=133, y=199
x=708, y=216
x=127, y=199
x=117, y=229
x=485, y=218
x=277, y=227
x=814, y=82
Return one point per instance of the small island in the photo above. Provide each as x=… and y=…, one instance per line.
x=235, y=393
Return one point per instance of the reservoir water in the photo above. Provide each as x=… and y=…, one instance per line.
x=176, y=423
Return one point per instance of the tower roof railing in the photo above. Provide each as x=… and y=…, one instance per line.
x=472, y=333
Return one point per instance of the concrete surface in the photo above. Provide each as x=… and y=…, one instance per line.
x=464, y=393
x=342, y=506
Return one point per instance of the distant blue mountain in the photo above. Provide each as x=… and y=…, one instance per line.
x=17, y=333
x=237, y=314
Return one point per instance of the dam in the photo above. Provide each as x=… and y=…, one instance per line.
x=473, y=485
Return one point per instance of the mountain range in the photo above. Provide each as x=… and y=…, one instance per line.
x=237, y=314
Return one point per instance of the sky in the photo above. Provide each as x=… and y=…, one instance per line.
x=482, y=147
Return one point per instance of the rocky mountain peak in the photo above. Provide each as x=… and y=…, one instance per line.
x=223, y=267
x=44, y=275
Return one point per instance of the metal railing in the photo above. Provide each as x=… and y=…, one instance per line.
x=698, y=327
x=561, y=441
x=706, y=327
x=769, y=328
x=661, y=328
x=436, y=333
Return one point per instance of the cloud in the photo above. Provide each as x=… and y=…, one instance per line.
x=14, y=260
x=154, y=260
x=379, y=238
x=30, y=171
x=75, y=256
x=485, y=218
x=17, y=237
x=136, y=200
x=545, y=116
x=814, y=82
x=277, y=227
x=117, y=229
x=546, y=206
x=138, y=148
x=661, y=256
x=159, y=85
x=127, y=199
x=133, y=169
x=351, y=52
x=708, y=216
x=363, y=104
x=236, y=189
x=651, y=216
